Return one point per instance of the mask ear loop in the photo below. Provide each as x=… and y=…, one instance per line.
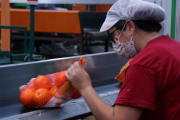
x=121, y=33
x=131, y=38
x=133, y=42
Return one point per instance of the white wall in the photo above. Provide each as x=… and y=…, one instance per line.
x=177, y=31
x=166, y=4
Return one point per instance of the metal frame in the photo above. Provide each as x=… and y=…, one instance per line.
x=173, y=19
x=32, y=15
x=102, y=76
x=25, y=37
x=18, y=28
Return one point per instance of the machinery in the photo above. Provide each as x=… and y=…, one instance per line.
x=49, y=27
x=166, y=4
x=102, y=68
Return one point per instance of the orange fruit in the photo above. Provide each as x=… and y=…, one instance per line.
x=32, y=88
x=41, y=97
x=60, y=79
x=26, y=98
x=42, y=82
x=66, y=87
x=76, y=94
x=53, y=91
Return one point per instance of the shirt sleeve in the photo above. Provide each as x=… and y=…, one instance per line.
x=139, y=88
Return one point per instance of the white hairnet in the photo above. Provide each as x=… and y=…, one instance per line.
x=132, y=10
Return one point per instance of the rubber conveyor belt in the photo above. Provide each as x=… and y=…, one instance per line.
x=102, y=69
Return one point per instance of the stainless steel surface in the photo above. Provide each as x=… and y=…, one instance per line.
x=68, y=1
x=69, y=110
x=102, y=68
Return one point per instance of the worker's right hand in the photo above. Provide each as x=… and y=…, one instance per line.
x=79, y=78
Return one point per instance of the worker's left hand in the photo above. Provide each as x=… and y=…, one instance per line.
x=79, y=78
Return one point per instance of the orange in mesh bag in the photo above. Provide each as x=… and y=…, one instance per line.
x=49, y=90
x=121, y=75
x=67, y=88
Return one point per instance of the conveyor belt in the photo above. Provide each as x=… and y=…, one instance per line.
x=102, y=69
x=70, y=110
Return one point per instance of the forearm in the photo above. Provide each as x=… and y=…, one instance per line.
x=99, y=108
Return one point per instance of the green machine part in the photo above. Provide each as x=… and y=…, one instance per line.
x=173, y=19
x=18, y=28
x=32, y=16
x=21, y=4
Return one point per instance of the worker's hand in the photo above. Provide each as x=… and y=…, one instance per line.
x=78, y=77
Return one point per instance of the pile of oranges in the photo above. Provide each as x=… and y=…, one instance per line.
x=42, y=91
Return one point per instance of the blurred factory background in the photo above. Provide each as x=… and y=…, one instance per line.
x=64, y=29
x=61, y=29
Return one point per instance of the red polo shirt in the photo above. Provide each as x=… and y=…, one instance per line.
x=153, y=80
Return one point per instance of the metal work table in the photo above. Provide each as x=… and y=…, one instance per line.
x=71, y=110
x=102, y=68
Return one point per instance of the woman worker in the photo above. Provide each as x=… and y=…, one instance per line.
x=152, y=83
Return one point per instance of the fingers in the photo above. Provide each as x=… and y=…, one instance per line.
x=76, y=64
x=73, y=70
x=67, y=75
x=70, y=72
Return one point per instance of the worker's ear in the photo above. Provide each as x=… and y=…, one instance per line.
x=130, y=26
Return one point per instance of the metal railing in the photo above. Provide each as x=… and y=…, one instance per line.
x=25, y=37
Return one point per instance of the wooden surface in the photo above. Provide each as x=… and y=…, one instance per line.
x=48, y=20
x=103, y=8
x=98, y=8
x=5, y=20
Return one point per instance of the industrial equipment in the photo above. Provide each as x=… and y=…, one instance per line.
x=102, y=68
